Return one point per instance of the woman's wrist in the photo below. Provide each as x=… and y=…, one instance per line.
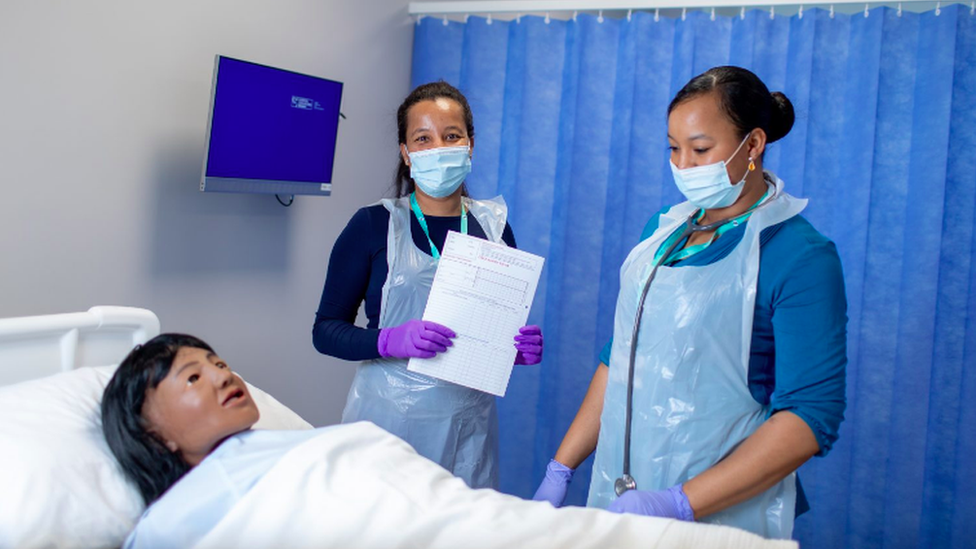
x=381, y=341
x=570, y=459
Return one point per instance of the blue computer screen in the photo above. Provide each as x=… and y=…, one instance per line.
x=271, y=124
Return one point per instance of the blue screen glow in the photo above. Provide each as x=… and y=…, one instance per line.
x=271, y=124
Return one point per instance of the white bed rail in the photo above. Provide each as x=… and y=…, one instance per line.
x=38, y=346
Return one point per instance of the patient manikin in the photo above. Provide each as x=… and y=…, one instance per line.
x=179, y=423
x=175, y=410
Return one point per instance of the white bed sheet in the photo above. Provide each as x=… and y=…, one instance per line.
x=358, y=487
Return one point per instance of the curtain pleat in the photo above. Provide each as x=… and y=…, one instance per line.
x=571, y=120
x=483, y=78
x=949, y=478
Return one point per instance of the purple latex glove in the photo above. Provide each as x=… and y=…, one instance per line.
x=529, y=345
x=554, y=485
x=414, y=338
x=670, y=503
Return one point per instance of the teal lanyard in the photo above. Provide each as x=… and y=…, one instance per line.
x=685, y=253
x=423, y=223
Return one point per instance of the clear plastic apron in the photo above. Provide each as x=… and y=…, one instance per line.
x=691, y=400
x=455, y=426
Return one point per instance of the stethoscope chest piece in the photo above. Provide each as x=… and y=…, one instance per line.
x=624, y=483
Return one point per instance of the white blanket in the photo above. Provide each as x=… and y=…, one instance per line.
x=358, y=487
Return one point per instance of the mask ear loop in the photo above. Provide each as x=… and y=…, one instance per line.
x=739, y=148
x=752, y=164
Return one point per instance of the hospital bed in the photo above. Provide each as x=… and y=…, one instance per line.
x=59, y=484
x=358, y=486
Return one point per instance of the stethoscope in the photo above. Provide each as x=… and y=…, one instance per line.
x=627, y=482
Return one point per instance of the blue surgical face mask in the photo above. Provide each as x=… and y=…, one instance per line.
x=709, y=186
x=439, y=172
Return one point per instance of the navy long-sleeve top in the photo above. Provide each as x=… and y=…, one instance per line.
x=798, y=358
x=357, y=272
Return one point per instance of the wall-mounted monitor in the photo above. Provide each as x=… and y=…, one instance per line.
x=270, y=130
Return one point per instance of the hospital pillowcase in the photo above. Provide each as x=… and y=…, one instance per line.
x=61, y=486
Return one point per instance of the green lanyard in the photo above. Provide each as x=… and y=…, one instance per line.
x=685, y=253
x=423, y=223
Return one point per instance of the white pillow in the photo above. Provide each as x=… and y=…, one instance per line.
x=60, y=486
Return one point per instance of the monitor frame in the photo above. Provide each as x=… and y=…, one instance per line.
x=260, y=186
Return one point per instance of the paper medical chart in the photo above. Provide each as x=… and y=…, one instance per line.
x=483, y=291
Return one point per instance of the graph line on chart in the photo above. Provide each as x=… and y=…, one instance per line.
x=502, y=286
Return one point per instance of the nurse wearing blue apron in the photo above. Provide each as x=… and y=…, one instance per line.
x=386, y=257
x=737, y=374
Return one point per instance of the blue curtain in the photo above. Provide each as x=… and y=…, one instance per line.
x=570, y=121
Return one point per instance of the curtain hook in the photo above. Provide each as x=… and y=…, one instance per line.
x=419, y=17
x=657, y=14
x=466, y=15
x=489, y=19
x=866, y=12
x=938, y=9
x=742, y=13
x=629, y=14
x=575, y=13
x=899, y=10
x=772, y=12
x=972, y=8
x=800, y=13
x=713, y=13
x=684, y=13
x=599, y=18
x=831, y=11
x=445, y=19
x=518, y=19
x=547, y=17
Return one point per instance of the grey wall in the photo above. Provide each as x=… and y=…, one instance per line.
x=103, y=108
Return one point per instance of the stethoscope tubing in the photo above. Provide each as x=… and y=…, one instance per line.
x=626, y=480
x=690, y=228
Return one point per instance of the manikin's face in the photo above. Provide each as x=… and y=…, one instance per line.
x=198, y=404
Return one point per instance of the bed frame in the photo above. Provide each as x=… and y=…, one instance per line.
x=37, y=346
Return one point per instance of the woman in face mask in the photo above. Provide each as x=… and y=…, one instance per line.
x=737, y=373
x=387, y=256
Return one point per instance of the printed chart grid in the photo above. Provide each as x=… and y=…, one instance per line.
x=502, y=286
x=482, y=291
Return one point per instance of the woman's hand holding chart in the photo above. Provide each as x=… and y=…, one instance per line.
x=483, y=291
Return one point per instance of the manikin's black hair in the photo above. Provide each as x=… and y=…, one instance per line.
x=142, y=455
